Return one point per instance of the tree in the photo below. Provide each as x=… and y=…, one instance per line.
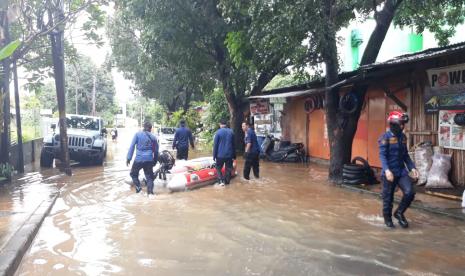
x=80, y=83
x=192, y=37
x=172, y=85
x=35, y=20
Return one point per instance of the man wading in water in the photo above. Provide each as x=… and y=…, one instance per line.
x=182, y=138
x=394, y=157
x=146, y=157
x=224, y=152
x=252, y=151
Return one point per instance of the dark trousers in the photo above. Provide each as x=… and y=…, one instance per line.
x=405, y=184
x=251, y=161
x=182, y=153
x=148, y=171
x=228, y=163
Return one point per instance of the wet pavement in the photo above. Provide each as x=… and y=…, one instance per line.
x=290, y=222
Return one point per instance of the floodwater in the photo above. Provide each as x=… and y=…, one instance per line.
x=290, y=222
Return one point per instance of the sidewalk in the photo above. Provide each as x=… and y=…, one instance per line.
x=441, y=206
x=24, y=203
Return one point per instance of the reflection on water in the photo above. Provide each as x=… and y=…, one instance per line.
x=290, y=222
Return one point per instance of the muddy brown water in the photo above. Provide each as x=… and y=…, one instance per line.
x=289, y=222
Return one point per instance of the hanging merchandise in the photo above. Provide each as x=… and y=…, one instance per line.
x=451, y=134
x=438, y=175
x=423, y=160
x=459, y=119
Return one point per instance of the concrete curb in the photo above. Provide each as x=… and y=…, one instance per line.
x=14, y=250
x=416, y=205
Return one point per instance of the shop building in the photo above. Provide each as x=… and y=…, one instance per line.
x=428, y=85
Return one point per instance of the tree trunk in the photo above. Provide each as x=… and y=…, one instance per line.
x=187, y=101
x=342, y=128
x=5, y=141
x=19, y=131
x=59, y=72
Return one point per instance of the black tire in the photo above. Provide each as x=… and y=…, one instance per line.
x=348, y=103
x=363, y=161
x=46, y=159
x=354, y=176
x=356, y=181
x=354, y=168
x=99, y=160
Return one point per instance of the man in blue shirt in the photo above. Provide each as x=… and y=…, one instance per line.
x=146, y=157
x=182, y=138
x=394, y=158
x=252, y=151
x=224, y=152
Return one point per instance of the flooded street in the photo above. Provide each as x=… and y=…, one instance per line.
x=290, y=222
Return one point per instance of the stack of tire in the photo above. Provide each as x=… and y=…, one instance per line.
x=356, y=174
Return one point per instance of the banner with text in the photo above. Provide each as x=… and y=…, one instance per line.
x=446, y=90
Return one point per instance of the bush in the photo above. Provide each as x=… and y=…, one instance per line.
x=217, y=110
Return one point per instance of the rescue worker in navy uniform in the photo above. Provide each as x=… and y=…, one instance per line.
x=395, y=161
x=146, y=157
x=224, y=152
x=182, y=138
x=252, y=151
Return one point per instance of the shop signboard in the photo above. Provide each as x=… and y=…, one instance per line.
x=450, y=134
x=259, y=106
x=446, y=90
x=263, y=124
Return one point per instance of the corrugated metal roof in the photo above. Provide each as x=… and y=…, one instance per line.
x=418, y=56
x=288, y=94
x=361, y=73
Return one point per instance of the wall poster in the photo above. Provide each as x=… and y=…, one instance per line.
x=446, y=90
x=259, y=106
x=450, y=134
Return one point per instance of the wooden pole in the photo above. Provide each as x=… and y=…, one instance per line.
x=5, y=143
x=93, y=96
x=19, y=130
x=56, y=39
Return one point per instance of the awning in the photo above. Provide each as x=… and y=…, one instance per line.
x=290, y=94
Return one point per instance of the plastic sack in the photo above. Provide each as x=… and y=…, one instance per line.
x=463, y=200
x=438, y=174
x=423, y=161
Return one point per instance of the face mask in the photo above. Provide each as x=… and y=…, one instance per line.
x=396, y=129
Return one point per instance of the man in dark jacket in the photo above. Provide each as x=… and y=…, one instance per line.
x=182, y=138
x=394, y=158
x=224, y=152
x=146, y=157
x=252, y=151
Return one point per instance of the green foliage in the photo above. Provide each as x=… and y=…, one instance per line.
x=155, y=71
x=438, y=16
x=191, y=117
x=6, y=170
x=80, y=82
x=9, y=49
x=151, y=111
x=217, y=110
x=281, y=81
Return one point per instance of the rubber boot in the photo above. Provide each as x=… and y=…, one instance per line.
x=388, y=222
x=401, y=218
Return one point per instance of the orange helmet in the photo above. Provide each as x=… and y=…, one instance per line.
x=397, y=117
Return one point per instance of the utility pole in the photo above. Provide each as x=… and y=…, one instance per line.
x=19, y=130
x=76, y=89
x=93, y=95
x=56, y=39
x=5, y=86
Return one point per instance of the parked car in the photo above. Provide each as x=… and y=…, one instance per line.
x=86, y=141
